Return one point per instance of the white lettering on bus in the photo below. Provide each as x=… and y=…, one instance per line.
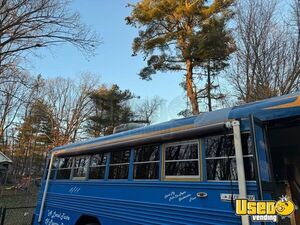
x=180, y=197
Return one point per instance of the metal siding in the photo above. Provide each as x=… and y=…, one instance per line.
x=143, y=202
x=266, y=109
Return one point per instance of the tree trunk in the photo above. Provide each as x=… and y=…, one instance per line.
x=209, y=88
x=191, y=93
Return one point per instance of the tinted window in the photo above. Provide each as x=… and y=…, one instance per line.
x=146, y=153
x=219, y=146
x=182, y=159
x=119, y=157
x=80, y=166
x=97, y=166
x=182, y=151
x=65, y=163
x=64, y=168
x=221, y=169
x=182, y=168
x=118, y=171
x=146, y=162
x=53, y=168
x=220, y=158
x=119, y=165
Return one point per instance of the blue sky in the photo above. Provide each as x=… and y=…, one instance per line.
x=113, y=61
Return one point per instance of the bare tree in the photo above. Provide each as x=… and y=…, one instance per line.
x=70, y=104
x=36, y=119
x=26, y=25
x=14, y=96
x=267, y=61
x=147, y=110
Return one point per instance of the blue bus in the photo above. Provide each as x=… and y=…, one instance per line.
x=185, y=171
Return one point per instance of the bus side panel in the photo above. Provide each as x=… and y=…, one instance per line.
x=141, y=202
x=57, y=215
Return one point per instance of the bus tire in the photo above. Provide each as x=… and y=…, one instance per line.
x=88, y=220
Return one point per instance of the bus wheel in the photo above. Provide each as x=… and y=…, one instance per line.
x=88, y=220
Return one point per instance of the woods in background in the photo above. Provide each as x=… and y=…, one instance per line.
x=37, y=114
x=226, y=51
x=60, y=111
x=31, y=122
x=267, y=61
x=249, y=47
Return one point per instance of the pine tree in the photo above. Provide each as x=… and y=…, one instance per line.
x=111, y=108
x=168, y=37
x=211, y=50
x=35, y=138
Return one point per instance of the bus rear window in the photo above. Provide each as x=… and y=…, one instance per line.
x=64, y=168
x=119, y=165
x=146, y=162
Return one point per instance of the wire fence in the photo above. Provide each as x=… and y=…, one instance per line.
x=16, y=215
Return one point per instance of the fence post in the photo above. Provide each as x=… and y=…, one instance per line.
x=3, y=212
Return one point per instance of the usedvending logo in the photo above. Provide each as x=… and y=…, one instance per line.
x=265, y=211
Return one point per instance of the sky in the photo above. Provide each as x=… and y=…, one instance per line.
x=113, y=62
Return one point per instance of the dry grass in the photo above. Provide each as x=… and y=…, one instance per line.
x=11, y=199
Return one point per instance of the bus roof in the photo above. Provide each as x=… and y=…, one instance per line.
x=268, y=109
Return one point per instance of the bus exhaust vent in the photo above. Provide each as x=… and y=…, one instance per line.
x=128, y=126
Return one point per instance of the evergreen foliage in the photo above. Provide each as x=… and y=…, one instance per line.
x=183, y=36
x=111, y=108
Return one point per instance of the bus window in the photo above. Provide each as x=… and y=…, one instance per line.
x=53, y=168
x=97, y=166
x=80, y=167
x=64, y=168
x=182, y=160
x=119, y=164
x=146, y=162
x=220, y=158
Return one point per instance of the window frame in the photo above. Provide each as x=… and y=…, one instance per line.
x=53, y=169
x=119, y=164
x=68, y=168
x=147, y=162
x=87, y=165
x=198, y=177
x=55, y=160
x=224, y=157
x=106, y=155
